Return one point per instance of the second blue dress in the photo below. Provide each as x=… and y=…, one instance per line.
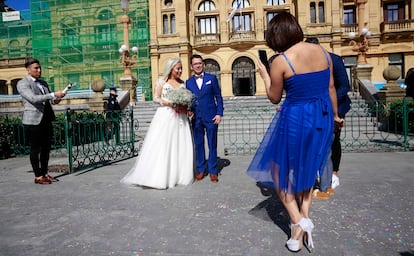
x=298, y=141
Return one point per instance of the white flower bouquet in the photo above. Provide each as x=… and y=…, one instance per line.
x=181, y=97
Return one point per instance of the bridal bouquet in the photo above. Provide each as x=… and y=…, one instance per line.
x=181, y=97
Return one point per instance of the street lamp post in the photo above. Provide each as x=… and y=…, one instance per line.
x=360, y=44
x=128, y=81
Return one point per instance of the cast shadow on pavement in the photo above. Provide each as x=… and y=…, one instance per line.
x=221, y=163
x=271, y=209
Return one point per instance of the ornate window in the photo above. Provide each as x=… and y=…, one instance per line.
x=244, y=77
x=321, y=12
x=275, y=2
x=212, y=67
x=394, y=11
x=70, y=31
x=242, y=21
x=317, y=12
x=207, y=24
x=349, y=15
x=14, y=49
x=105, y=15
x=168, y=18
x=270, y=16
x=397, y=59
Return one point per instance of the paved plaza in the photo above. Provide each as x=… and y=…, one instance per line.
x=92, y=213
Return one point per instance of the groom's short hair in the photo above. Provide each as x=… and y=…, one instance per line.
x=196, y=56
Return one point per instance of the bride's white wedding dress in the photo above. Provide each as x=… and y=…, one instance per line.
x=166, y=156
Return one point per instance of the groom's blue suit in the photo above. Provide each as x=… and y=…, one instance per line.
x=208, y=103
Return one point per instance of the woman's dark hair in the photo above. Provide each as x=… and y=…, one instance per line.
x=283, y=32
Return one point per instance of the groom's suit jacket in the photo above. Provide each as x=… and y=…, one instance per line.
x=208, y=101
x=36, y=103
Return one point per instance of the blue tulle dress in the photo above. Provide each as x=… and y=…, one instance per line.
x=298, y=141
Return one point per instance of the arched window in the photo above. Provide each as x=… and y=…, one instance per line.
x=164, y=24
x=207, y=24
x=168, y=3
x=168, y=18
x=244, y=77
x=317, y=15
x=212, y=67
x=172, y=24
x=206, y=6
x=14, y=49
x=242, y=21
x=321, y=12
x=312, y=13
x=70, y=31
x=105, y=15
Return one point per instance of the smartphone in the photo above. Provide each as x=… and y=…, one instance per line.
x=263, y=59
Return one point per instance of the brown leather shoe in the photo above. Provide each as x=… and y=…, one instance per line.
x=214, y=178
x=200, y=176
x=42, y=180
x=51, y=178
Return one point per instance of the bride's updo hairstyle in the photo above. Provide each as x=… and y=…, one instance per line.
x=283, y=32
x=171, y=62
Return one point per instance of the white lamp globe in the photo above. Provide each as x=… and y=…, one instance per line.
x=352, y=35
x=124, y=47
x=364, y=31
x=134, y=49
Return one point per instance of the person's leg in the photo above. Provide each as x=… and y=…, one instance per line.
x=336, y=151
x=198, y=131
x=211, y=130
x=326, y=178
x=291, y=206
x=34, y=137
x=298, y=221
x=336, y=158
x=46, y=142
x=305, y=202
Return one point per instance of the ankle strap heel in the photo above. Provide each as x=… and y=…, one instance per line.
x=307, y=229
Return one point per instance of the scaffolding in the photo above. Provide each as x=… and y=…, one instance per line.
x=77, y=41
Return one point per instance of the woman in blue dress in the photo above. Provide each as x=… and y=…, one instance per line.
x=297, y=143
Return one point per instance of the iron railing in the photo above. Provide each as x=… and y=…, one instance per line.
x=369, y=126
x=86, y=139
x=89, y=140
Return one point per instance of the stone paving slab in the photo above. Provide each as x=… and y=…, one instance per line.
x=92, y=213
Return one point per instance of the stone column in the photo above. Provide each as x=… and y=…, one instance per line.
x=129, y=84
x=361, y=71
x=97, y=103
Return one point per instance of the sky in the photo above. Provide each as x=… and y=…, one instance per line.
x=18, y=4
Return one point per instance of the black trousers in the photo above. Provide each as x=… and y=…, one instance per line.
x=40, y=139
x=336, y=151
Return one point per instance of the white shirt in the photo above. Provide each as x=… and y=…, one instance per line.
x=199, y=80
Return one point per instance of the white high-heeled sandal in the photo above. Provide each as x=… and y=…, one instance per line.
x=307, y=229
x=293, y=244
x=307, y=226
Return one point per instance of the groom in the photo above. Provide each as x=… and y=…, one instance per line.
x=208, y=110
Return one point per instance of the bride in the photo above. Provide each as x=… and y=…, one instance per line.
x=166, y=157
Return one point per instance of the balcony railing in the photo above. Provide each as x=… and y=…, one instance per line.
x=346, y=28
x=397, y=26
x=243, y=35
x=207, y=39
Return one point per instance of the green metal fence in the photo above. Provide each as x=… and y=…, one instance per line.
x=90, y=140
x=86, y=139
x=369, y=126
